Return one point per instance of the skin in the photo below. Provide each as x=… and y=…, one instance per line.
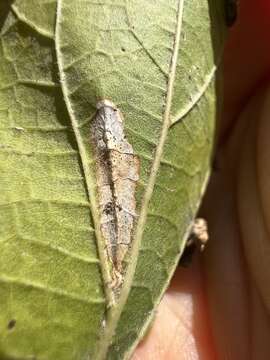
x=219, y=307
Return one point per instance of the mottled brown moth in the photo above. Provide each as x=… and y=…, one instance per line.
x=117, y=169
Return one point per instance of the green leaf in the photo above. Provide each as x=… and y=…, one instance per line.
x=50, y=281
x=38, y=15
x=156, y=61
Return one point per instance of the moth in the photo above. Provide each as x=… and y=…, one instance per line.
x=117, y=169
x=198, y=238
x=231, y=9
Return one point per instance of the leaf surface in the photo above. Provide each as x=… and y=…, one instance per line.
x=156, y=61
x=50, y=282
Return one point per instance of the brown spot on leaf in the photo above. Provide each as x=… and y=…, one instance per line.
x=11, y=324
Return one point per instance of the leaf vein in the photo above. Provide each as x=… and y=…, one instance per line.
x=41, y=287
x=23, y=19
x=89, y=180
x=62, y=251
x=195, y=99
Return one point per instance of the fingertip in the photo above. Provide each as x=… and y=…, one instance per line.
x=181, y=328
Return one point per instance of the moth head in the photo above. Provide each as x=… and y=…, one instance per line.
x=106, y=103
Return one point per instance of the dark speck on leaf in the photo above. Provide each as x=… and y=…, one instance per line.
x=11, y=324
